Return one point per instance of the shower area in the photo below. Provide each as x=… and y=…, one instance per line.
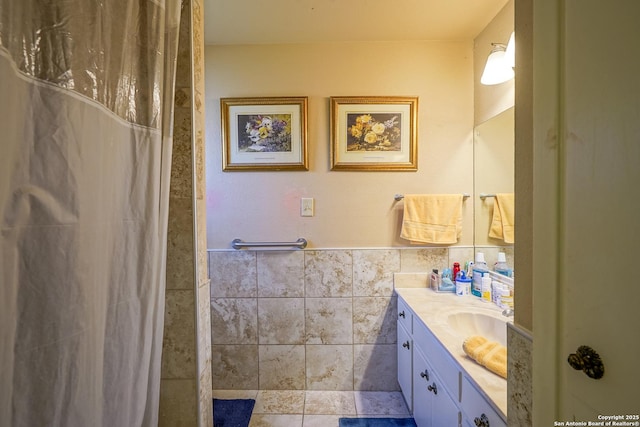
x=101, y=255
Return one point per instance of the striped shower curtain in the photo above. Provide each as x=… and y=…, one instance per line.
x=86, y=95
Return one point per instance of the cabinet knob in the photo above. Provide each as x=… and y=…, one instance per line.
x=586, y=359
x=433, y=388
x=425, y=375
x=401, y=314
x=481, y=421
x=406, y=345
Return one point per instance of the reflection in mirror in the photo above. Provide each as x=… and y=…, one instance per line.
x=493, y=173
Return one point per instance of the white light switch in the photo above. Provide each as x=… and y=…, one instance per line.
x=306, y=206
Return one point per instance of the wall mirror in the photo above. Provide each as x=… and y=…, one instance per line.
x=493, y=172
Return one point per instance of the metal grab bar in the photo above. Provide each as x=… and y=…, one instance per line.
x=301, y=243
x=399, y=197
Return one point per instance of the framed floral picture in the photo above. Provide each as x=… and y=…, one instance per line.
x=264, y=134
x=374, y=133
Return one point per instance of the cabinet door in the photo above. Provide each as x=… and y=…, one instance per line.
x=405, y=349
x=444, y=412
x=433, y=407
x=422, y=396
x=475, y=407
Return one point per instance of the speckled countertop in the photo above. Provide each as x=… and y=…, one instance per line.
x=433, y=309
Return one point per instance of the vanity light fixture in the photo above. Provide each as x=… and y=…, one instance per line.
x=510, y=53
x=500, y=63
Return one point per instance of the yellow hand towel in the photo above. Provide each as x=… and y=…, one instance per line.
x=490, y=354
x=502, y=224
x=432, y=218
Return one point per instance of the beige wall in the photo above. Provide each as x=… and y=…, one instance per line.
x=353, y=209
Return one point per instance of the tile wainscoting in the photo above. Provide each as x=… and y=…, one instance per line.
x=311, y=319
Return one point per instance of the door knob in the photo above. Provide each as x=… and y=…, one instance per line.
x=425, y=375
x=586, y=359
x=405, y=344
x=401, y=314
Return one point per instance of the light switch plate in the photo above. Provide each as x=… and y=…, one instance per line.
x=306, y=206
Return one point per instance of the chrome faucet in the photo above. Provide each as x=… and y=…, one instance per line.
x=508, y=312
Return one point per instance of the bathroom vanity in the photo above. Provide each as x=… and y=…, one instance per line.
x=441, y=385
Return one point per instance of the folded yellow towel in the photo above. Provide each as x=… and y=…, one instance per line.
x=490, y=354
x=502, y=224
x=432, y=218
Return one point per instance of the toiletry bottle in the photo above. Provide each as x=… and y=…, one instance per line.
x=434, y=279
x=486, y=288
x=456, y=269
x=463, y=284
x=496, y=289
x=479, y=270
x=501, y=266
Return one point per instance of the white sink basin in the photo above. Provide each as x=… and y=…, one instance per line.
x=466, y=324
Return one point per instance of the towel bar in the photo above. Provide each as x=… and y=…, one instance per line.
x=485, y=195
x=399, y=197
x=301, y=243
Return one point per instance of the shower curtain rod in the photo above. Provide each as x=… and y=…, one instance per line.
x=301, y=243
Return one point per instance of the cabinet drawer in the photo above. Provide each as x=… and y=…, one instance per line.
x=475, y=406
x=447, y=369
x=405, y=315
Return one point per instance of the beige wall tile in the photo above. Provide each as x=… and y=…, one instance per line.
x=373, y=271
x=519, y=377
x=233, y=274
x=180, y=244
x=329, y=320
x=281, y=320
x=281, y=274
x=329, y=273
x=424, y=260
x=179, y=343
x=375, y=367
x=374, y=320
x=234, y=320
x=282, y=367
x=234, y=367
x=329, y=367
x=178, y=403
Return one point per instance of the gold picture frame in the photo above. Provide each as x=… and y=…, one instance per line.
x=264, y=134
x=374, y=133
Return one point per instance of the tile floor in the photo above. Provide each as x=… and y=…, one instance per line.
x=300, y=408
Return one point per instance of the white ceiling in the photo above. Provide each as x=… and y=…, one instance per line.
x=311, y=21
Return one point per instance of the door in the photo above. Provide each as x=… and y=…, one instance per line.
x=587, y=240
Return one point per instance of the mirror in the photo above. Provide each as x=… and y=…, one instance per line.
x=494, y=151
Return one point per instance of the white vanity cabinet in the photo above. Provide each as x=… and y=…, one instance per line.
x=438, y=391
x=431, y=400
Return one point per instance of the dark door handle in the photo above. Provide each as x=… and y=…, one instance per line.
x=586, y=359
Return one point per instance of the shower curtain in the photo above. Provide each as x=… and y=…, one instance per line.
x=86, y=95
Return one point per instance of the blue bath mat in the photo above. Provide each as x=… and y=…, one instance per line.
x=377, y=422
x=232, y=412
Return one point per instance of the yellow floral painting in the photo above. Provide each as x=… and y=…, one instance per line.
x=374, y=132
